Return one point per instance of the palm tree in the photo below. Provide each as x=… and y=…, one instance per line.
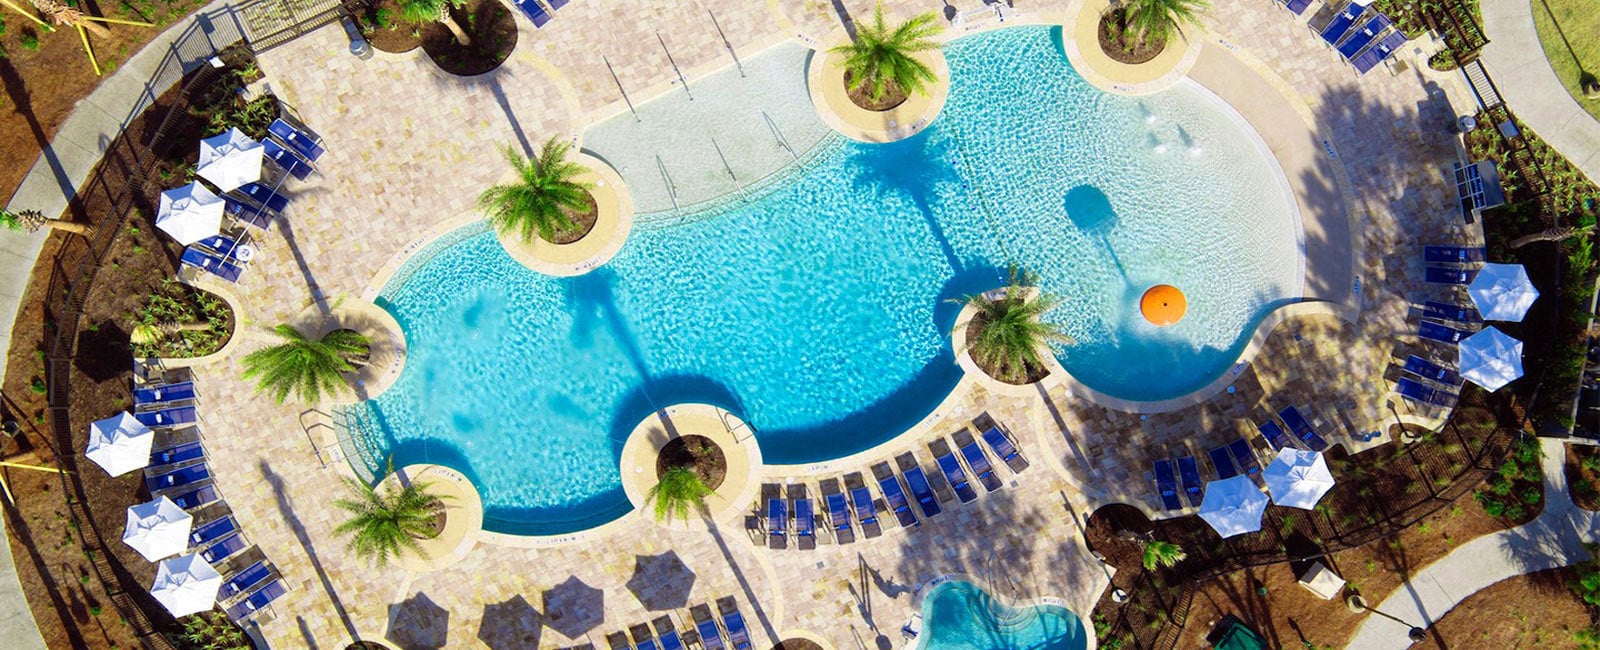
x=422, y=11
x=1010, y=331
x=546, y=188
x=385, y=523
x=305, y=366
x=881, y=57
x=1561, y=233
x=1158, y=20
x=679, y=490
x=32, y=220
x=1162, y=554
x=63, y=15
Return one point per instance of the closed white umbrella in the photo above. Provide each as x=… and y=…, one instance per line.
x=119, y=444
x=1491, y=359
x=1502, y=292
x=1233, y=506
x=1298, y=478
x=190, y=213
x=157, y=529
x=230, y=159
x=186, y=584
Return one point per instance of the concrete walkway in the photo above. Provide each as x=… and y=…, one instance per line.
x=1553, y=540
x=1528, y=84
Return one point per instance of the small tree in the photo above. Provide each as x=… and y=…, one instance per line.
x=385, y=523
x=427, y=11
x=679, y=490
x=1158, y=20
x=32, y=220
x=1011, y=333
x=881, y=57
x=304, y=366
x=1162, y=554
x=538, y=201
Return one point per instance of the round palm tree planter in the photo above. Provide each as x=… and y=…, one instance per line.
x=612, y=223
x=463, y=516
x=386, y=355
x=1084, y=50
x=831, y=96
x=710, y=442
x=967, y=320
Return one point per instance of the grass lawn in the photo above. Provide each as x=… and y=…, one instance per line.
x=1578, y=53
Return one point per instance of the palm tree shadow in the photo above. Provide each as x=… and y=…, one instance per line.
x=286, y=510
x=914, y=168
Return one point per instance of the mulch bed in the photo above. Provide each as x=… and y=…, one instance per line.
x=1583, y=475
x=697, y=453
x=1530, y=611
x=1113, y=27
x=1035, y=375
x=892, y=95
x=490, y=26
x=583, y=221
x=385, y=30
x=797, y=644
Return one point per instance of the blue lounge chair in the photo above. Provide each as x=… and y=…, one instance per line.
x=202, y=496
x=1005, y=450
x=643, y=637
x=894, y=496
x=1450, y=275
x=1446, y=311
x=1222, y=461
x=1297, y=6
x=250, y=215
x=953, y=474
x=247, y=608
x=861, y=503
x=1189, y=471
x=1377, y=53
x=204, y=260
x=668, y=634
x=224, y=548
x=1339, y=27
x=922, y=491
x=1167, y=485
x=1453, y=254
x=167, y=417
x=1245, y=457
x=1301, y=428
x=1274, y=434
x=777, y=523
x=244, y=581
x=225, y=248
x=1416, y=392
x=1364, y=36
x=805, y=524
x=289, y=161
x=1441, y=333
x=184, y=453
x=733, y=622
x=557, y=4
x=839, y=517
x=164, y=393
x=977, y=461
x=307, y=145
x=1429, y=370
x=263, y=196
x=706, y=626
x=534, y=11
x=212, y=530
x=178, y=477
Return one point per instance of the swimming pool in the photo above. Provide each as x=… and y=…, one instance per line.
x=957, y=615
x=819, y=309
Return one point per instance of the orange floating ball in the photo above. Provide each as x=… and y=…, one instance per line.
x=1163, y=305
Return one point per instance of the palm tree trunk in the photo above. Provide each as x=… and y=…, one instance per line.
x=70, y=227
x=1550, y=234
x=461, y=36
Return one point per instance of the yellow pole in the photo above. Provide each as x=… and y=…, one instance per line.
x=9, y=499
x=84, y=36
x=118, y=21
x=38, y=468
x=13, y=6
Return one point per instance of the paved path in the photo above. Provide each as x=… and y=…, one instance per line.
x=1553, y=540
x=1530, y=86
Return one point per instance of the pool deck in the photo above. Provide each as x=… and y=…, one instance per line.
x=409, y=148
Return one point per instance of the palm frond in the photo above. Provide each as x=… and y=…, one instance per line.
x=545, y=189
x=385, y=523
x=679, y=490
x=881, y=56
x=307, y=368
x=1012, y=332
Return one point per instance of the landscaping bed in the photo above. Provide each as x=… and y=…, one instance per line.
x=699, y=454
x=1530, y=611
x=489, y=25
x=1113, y=31
x=1583, y=475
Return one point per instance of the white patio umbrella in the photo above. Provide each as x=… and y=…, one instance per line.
x=1491, y=359
x=1298, y=478
x=186, y=584
x=157, y=529
x=119, y=444
x=1233, y=506
x=230, y=159
x=1502, y=292
x=190, y=213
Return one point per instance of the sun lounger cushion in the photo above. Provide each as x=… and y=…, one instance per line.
x=979, y=463
x=244, y=581
x=167, y=417
x=212, y=531
x=166, y=393
x=1223, y=463
x=1245, y=457
x=1453, y=254
x=1189, y=471
x=1450, y=275
x=1378, y=53
x=1441, y=333
x=248, y=607
x=895, y=498
x=922, y=491
x=1339, y=27
x=287, y=160
x=951, y=468
x=1446, y=311
x=201, y=496
x=223, y=549
x=1167, y=485
x=183, y=453
x=178, y=478
x=303, y=143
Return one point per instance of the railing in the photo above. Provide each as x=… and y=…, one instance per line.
x=270, y=23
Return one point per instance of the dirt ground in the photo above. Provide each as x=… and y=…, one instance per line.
x=43, y=84
x=1531, y=611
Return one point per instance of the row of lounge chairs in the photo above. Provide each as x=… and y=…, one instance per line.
x=1355, y=32
x=537, y=12
x=1227, y=461
x=855, y=500
x=1296, y=432
x=1426, y=382
x=292, y=150
x=707, y=633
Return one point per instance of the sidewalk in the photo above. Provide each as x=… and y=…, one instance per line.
x=1555, y=539
x=1531, y=88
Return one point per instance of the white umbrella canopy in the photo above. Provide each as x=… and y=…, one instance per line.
x=1233, y=506
x=1502, y=292
x=1491, y=359
x=186, y=584
x=119, y=444
x=190, y=213
x=230, y=159
x=157, y=529
x=1298, y=478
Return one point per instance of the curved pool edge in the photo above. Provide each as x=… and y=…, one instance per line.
x=919, y=598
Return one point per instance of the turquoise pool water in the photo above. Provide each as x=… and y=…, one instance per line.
x=818, y=309
x=957, y=615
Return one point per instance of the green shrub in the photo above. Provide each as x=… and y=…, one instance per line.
x=29, y=39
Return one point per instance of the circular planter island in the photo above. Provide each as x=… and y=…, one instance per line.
x=966, y=322
x=1089, y=58
x=387, y=354
x=613, y=221
x=463, y=515
x=831, y=96
x=695, y=434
